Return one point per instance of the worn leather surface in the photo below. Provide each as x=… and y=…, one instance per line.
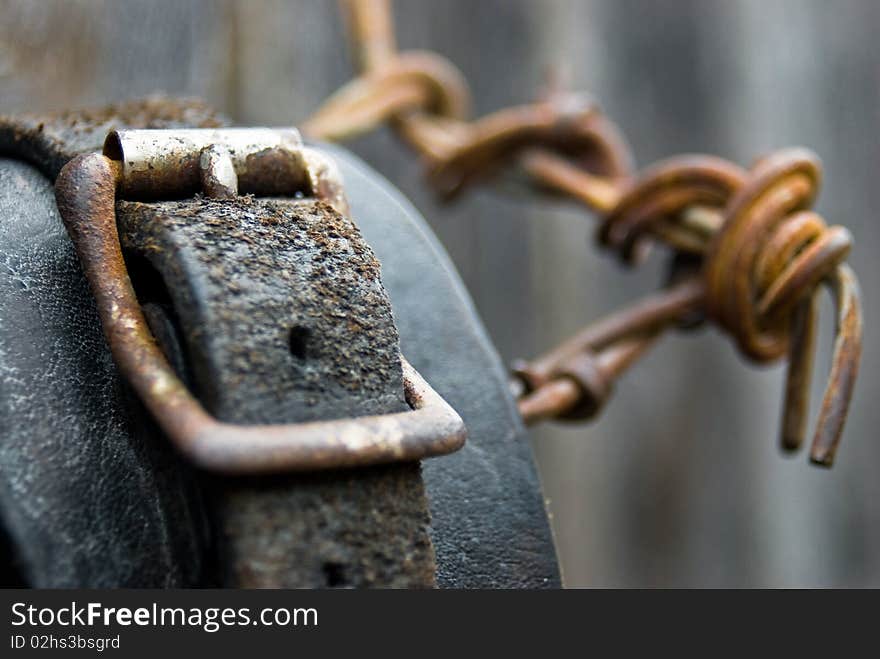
x=100, y=525
x=90, y=494
x=489, y=524
x=49, y=140
x=282, y=317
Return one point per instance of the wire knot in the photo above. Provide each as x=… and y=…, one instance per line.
x=748, y=251
x=760, y=254
x=677, y=200
x=771, y=253
x=403, y=84
x=569, y=127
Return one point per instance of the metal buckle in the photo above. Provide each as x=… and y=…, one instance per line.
x=169, y=164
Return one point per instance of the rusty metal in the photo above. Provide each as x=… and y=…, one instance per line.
x=167, y=164
x=758, y=252
x=763, y=255
x=426, y=99
x=86, y=191
x=217, y=172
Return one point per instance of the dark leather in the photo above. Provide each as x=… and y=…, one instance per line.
x=91, y=494
x=282, y=318
x=489, y=524
x=48, y=141
x=88, y=492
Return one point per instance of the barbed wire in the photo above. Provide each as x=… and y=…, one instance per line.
x=749, y=254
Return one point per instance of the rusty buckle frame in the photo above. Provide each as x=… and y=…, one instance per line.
x=174, y=164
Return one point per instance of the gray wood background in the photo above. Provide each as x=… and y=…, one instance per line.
x=680, y=481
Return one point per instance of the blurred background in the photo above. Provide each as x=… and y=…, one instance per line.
x=680, y=482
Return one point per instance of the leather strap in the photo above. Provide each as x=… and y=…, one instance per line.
x=282, y=317
x=278, y=314
x=104, y=507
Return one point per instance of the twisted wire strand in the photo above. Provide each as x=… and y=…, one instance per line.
x=757, y=252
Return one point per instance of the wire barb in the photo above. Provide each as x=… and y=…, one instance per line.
x=758, y=253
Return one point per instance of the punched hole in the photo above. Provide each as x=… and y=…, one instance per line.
x=334, y=574
x=298, y=340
